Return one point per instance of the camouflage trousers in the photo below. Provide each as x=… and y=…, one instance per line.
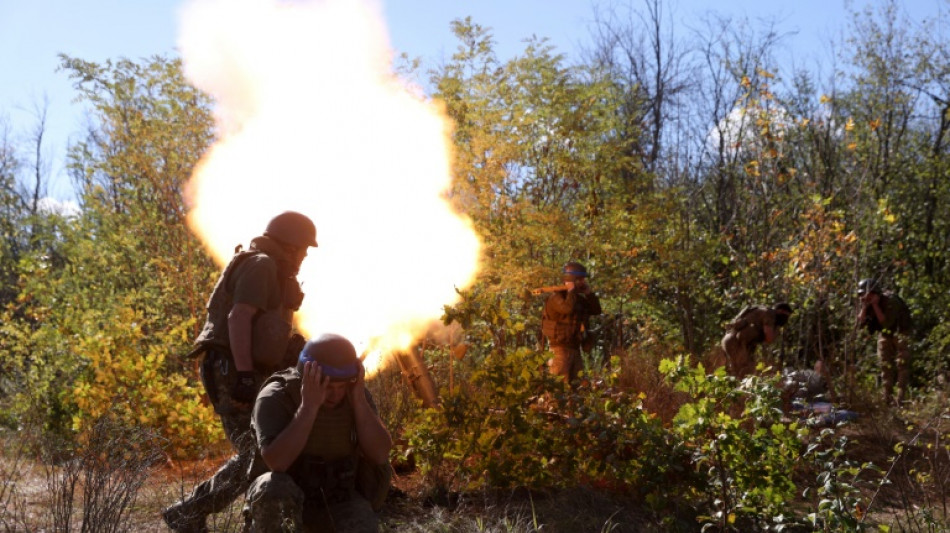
x=566, y=362
x=276, y=504
x=230, y=481
x=895, y=363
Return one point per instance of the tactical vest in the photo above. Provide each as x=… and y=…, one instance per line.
x=272, y=328
x=566, y=329
x=326, y=468
x=897, y=315
x=219, y=305
x=314, y=473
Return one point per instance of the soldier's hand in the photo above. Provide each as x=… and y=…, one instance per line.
x=357, y=387
x=244, y=389
x=314, y=389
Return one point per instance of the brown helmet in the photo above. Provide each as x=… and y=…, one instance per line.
x=573, y=271
x=335, y=355
x=293, y=228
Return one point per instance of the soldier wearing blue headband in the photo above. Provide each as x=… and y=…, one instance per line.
x=565, y=322
x=335, y=357
x=324, y=451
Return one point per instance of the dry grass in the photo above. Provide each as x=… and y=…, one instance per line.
x=407, y=510
x=917, y=477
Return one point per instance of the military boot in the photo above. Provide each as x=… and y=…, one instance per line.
x=180, y=520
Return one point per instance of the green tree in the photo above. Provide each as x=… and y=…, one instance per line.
x=105, y=329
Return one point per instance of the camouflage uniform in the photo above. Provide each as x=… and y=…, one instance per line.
x=743, y=335
x=892, y=343
x=275, y=503
x=565, y=322
x=330, y=487
x=257, y=277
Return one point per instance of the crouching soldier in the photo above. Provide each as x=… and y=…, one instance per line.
x=326, y=449
x=754, y=325
x=806, y=386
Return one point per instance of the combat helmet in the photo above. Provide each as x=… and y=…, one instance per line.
x=868, y=285
x=573, y=271
x=293, y=228
x=782, y=311
x=335, y=355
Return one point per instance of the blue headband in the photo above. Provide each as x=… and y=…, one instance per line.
x=334, y=373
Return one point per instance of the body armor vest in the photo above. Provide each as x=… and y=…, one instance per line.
x=215, y=331
x=272, y=327
x=327, y=466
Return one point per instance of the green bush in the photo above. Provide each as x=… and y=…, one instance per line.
x=743, y=453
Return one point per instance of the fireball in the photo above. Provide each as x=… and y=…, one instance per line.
x=310, y=117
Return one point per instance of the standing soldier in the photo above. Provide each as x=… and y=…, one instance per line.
x=886, y=314
x=565, y=321
x=324, y=451
x=753, y=326
x=247, y=336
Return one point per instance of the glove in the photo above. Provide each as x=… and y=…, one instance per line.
x=244, y=389
x=294, y=345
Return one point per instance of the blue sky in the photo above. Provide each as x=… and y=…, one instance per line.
x=33, y=32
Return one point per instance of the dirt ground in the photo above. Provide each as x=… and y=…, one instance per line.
x=912, y=456
x=408, y=509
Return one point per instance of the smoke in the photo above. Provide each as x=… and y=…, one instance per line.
x=311, y=118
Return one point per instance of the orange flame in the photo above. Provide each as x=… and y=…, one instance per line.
x=311, y=118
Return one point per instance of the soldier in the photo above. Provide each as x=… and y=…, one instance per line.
x=886, y=314
x=247, y=336
x=806, y=386
x=753, y=326
x=565, y=321
x=325, y=447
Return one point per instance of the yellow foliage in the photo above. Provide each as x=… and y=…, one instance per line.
x=126, y=380
x=752, y=168
x=823, y=239
x=884, y=210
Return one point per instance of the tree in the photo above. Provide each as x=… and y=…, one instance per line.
x=649, y=65
x=120, y=351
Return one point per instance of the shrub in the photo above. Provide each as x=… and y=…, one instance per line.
x=726, y=423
